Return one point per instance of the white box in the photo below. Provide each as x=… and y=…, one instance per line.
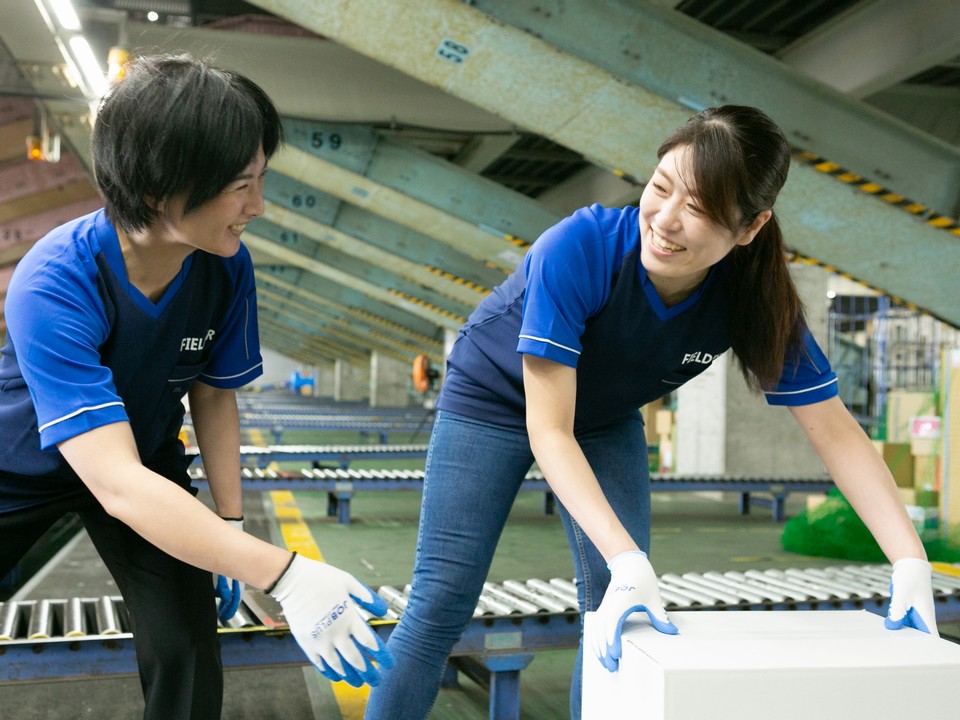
x=758, y=665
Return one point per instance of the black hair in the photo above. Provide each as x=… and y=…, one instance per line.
x=740, y=159
x=173, y=125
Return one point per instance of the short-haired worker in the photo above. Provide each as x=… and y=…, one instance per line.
x=111, y=319
x=602, y=318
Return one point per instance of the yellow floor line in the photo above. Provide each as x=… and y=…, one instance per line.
x=297, y=537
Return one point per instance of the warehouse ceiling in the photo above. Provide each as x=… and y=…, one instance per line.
x=429, y=142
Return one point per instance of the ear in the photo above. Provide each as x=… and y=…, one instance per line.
x=157, y=205
x=751, y=232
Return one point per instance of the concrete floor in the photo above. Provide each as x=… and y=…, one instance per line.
x=691, y=533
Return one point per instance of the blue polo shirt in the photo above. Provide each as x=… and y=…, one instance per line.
x=85, y=349
x=582, y=298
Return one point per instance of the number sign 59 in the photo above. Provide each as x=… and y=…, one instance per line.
x=452, y=51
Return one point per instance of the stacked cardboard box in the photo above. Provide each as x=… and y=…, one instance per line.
x=950, y=461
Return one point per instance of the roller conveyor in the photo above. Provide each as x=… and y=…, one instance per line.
x=90, y=637
x=341, y=483
x=342, y=454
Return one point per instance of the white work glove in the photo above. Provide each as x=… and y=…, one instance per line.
x=229, y=591
x=911, y=597
x=633, y=587
x=320, y=604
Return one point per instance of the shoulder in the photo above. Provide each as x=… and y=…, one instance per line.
x=591, y=232
x=64, y=258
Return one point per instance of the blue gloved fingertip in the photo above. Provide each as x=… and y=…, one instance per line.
x=377, y=606
x=910, y=619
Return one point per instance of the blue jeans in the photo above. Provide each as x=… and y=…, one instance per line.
x=473, y=472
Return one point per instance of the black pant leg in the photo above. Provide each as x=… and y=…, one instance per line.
x=174, y=621
x=20, y=529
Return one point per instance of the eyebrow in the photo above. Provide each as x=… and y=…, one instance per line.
x=250, y=176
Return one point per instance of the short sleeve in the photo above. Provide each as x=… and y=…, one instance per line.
x=568, y=274
x=235, y=359
x=807, y=381
x=57, y=324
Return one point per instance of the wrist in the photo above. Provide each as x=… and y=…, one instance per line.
x=624, y=556
x=273, y=586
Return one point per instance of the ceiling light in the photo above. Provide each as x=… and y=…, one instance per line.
x=88, y=64
x=66, y=15
x=152, y=16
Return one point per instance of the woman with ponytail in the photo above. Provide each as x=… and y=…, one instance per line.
x=612, y=309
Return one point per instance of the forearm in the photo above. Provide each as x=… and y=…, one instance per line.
x=216, y=424
x=165, y=514
x=551, y=391
x=573, y=482
x=182, y=526
x=861, y=475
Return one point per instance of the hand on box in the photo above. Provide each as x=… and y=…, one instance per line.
x=633, y=588
x=321, y=604
x=911, y=597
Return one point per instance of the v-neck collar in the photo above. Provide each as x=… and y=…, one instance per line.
x=656, y=302
x=111, y=249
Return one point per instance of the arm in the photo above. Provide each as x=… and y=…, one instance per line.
x=107, y=462
x=863, y=478
x=861, y=475
x=217, y=426
x=551, y=391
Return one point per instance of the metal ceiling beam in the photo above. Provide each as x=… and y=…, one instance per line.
x=353, y=334
x=330, y=236
x=324, y=270
x=646, y=68
x=877, y=45
x=354, y=188
x=360, y=269
x=682, y=60
x=364, y=323
x=415, y=189
x=295, y=318
x=346, y=301
x=440, y=258
x=345, y=338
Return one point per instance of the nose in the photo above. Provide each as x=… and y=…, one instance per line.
x=668, y=214
x=255, y=204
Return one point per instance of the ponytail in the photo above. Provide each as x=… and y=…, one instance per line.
x=766, y=313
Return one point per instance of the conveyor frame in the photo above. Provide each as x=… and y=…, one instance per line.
x=513, y=620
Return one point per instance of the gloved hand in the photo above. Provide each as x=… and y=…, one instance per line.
x=633, y=586
x=229, y=591
x=321, y=603
x=911, y=597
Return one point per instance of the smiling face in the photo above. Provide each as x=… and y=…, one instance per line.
x=216, y=226
x=679, y=242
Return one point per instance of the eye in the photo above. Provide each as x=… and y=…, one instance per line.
x=659, y=188
x=695, y=209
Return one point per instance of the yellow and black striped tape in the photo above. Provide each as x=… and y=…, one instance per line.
x=828, y=167
x=801, y=259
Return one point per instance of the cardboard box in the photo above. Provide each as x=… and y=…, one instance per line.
x=898, y=458
x=788, y=665
x=649, y=414
x=664, y=422
x=902, y=406
x=922, y=447
x=950, y=469
x=927, y=471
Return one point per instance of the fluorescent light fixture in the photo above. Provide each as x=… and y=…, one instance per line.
x=89, y=67
x=66, y=15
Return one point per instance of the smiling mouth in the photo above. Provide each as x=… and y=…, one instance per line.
x=666, y=245
x=238, y=228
